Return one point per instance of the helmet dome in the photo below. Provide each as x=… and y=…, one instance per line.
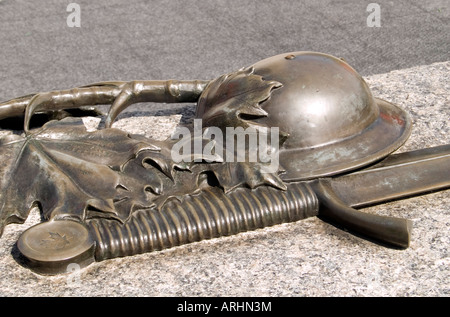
x=333, y=121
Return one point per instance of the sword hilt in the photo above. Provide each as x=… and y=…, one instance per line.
x=207, y=215
x=389, y=230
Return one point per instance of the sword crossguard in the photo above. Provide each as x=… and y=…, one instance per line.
x=393, y=231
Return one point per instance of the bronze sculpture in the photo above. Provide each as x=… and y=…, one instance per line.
x=106, y=194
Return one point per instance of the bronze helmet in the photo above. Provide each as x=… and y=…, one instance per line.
x=327, y=109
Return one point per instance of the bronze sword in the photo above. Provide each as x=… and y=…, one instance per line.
x=396, y=177
x=332, y=199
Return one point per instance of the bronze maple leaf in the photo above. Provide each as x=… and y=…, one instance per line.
x=234, y=99
x=69, y=172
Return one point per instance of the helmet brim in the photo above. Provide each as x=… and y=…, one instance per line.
x=385, y=135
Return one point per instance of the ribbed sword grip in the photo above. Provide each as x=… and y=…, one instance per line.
x=207, y=215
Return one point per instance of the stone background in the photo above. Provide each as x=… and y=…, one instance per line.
x=405, y=61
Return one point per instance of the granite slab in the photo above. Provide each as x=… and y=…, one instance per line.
x=306, y=258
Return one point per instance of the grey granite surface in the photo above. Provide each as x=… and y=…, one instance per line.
x=306, y=258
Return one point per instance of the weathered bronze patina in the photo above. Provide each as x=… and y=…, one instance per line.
x=107, y=194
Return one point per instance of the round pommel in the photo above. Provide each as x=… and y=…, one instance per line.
x=54, y=247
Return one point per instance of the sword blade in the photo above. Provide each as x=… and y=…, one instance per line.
x=399, y=176
x=396, y=177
